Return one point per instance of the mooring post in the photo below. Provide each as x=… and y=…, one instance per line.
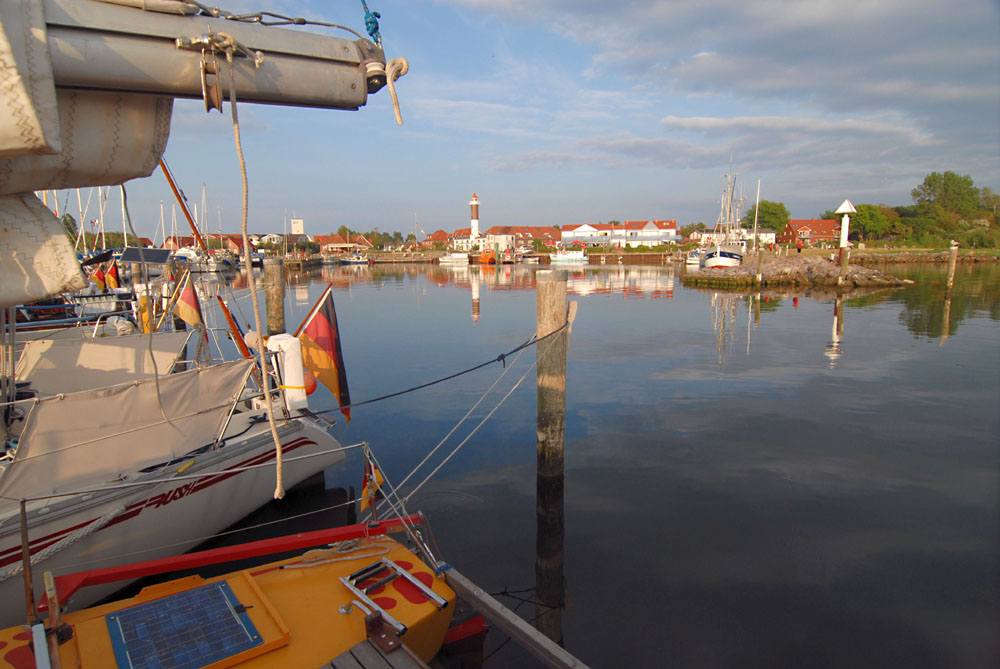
x=274, y=295
x=952, y=261
x=551, y=352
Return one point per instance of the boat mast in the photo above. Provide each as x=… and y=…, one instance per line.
x=756, y=212
x=124, y=230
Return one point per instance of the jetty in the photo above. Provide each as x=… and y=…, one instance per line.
x=795, y=270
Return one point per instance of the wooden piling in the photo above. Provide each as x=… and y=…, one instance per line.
x=274, y=295
x=952, y=261
x=551, y=423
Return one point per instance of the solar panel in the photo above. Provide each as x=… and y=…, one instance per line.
x=186, y=630
x=149, y=256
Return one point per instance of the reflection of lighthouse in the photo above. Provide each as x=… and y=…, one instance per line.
x=474, y=282
x=474, y=223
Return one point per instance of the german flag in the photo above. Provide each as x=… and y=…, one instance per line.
x=372, y=486
x=112, y=277
x=321, y=352
x=98, y=278
x=187, y=306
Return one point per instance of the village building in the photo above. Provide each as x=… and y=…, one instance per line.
x=811, y=232
x=629, y=233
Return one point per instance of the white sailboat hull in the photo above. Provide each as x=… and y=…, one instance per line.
x=722, y=256
x=158, y=520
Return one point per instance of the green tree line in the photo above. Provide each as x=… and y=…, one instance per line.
x=945, y=206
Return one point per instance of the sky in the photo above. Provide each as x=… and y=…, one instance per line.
x=558, y=112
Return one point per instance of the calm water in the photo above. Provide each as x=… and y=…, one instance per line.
x=749, y=482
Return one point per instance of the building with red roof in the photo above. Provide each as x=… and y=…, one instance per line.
x=811, y=232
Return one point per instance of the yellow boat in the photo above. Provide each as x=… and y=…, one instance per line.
x=366, y=593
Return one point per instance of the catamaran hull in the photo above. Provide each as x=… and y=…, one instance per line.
x=161, y=520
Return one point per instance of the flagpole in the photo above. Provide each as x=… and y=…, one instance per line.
x=173, y=299
x=312, y=311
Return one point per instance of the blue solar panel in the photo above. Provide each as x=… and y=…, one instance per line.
x=189, y=629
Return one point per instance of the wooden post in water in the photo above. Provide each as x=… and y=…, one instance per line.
x=952, y=262
x=551, y=352
x=274, y=295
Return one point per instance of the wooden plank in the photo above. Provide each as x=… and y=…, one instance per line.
x=366, y=655
x=516, y=627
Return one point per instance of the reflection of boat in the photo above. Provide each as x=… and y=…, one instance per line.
x=103, y=418
x=568, y=257
x=454, y=259
x=730, y=249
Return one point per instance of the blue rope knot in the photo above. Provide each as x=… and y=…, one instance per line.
x=371, y=23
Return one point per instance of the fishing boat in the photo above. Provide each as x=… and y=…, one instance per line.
x=568, y=257
x=455, y=258
x=730, y=247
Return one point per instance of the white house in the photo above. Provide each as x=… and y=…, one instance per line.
x=630, y=233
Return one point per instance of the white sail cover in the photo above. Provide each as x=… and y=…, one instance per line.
x=71, y=365
x=97, y=437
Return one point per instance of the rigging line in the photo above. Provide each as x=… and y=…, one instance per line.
x=502, y=358
x=475, y=406
x=279, y=491
x=393, y=490
x=401, y=515
x=149, y=306
x=466, y=440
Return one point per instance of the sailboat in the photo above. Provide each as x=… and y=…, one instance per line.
x=729, y=247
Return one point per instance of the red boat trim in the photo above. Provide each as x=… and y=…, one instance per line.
x=68, y=584
x=13, y=554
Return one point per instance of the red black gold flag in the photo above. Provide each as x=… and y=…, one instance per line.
x=370, y=489
x=187, y=306
x=98, y=278
x=321, y=352
x=112, y=277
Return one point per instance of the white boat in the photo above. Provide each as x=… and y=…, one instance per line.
x=568, y=257
x=693, y=258
x=454, y=259
x=730, y=249
x=94, y=431
x=355, y=259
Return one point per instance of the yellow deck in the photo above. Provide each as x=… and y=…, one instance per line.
x=295, y=611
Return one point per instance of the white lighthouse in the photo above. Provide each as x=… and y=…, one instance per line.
x=474, y=222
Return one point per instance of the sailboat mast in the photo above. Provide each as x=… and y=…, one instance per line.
x=756, y=212
x=124, y=230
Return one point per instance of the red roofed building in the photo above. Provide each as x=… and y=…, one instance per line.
x=811, y=232
x=436, y=237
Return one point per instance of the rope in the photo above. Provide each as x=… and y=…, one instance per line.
x=65, y=542
x=371, y=24
x=279, y=490
x=315, y=557
x=394, y=69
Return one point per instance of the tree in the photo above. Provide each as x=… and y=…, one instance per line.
x=869, y=222
x=990, y=201
x=947, y=197
x=771, y=215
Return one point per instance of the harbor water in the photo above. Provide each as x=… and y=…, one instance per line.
x=784, y=478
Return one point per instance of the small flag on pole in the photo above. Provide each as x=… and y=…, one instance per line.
x=373, y=482
x=321, y=352
x=187, y=306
